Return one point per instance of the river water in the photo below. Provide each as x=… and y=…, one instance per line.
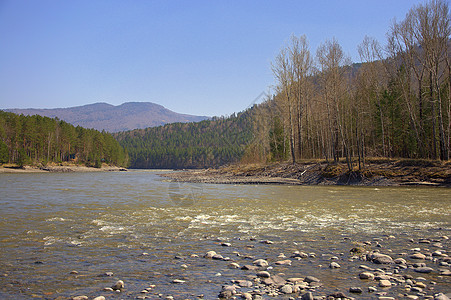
x=143, y=228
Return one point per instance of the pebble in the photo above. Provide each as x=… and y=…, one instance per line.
x=385, y=283
x=287, y=289
x=379, y=258
x=417, y=256
x=267, y=242
x=260, y=263
x=355, y=290
x=210, y=254
x=99, y=298
x=366, y=275
x=311, y=279
x=178, y=281
x=263, y=274
x=423, y=270
x=286, y=262
x=118, y=286
x=80, y=298
x=307, y=296
x=334, y=265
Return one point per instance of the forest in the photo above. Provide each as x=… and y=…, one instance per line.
x=209, y=143
x=395, y=103
x=37, y=140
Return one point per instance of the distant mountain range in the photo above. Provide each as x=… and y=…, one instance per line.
x=104, y=116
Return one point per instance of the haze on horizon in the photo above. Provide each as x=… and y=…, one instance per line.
x=202, y=58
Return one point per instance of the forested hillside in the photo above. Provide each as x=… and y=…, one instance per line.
x=396, y=104
x=33, y=140
x=209, y=143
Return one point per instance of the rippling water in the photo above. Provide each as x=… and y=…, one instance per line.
x=52, y=224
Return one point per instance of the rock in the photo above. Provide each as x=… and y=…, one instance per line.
x=311, y=279
x=366, y=275
x=247, y=296
x=263, y=274
x=355, y=290
x=260, y=263
x=210, y=254
x=417, y=256
x=372, y=289
x=379, y=258
x=227, y=292
x=217, y=257
x=295, y=279
x=278, y=280
x=234, y=265
x=108, y=289
x=226, y=245
x=385, y=283
x=334, y=265
x=285, y=262
x=73, y=272
x=99, y=298
x=423, y=270
x=307, y=296
x=287, y=289
x=249, y=267
x=267, y=242
x=243, y=283
x=441, y=296
x=445, y=272
x=80, y=298
x=298, y=254
x=421, y=285
x=400, y=261
x=412, y=297
x=118, y=286
x=178, y=281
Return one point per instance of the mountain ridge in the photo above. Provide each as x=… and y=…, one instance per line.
x=111, y=118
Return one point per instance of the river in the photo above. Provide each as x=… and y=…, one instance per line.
x=144, y=230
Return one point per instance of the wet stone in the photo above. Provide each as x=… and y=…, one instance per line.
x=355, y=290
x=385, y=283
x=119, y=285
x=423, y=270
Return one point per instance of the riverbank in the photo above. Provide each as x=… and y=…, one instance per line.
x=58, y=169
x=377, y=172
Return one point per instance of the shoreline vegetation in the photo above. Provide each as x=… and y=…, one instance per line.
x=377, y=172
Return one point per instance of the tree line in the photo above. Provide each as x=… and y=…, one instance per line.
x=395, y=103
x=35, y=140
x=209, y=143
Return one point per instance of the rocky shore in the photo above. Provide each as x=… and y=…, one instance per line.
x=380, y=172
x=369, y=269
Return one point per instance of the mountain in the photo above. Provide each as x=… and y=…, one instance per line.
x=104, y=116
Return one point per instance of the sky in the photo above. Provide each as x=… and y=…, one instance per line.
x=210, y=58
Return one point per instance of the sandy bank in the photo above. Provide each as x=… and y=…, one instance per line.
x=59, y=169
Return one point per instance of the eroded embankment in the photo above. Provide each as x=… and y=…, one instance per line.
x=374, y=173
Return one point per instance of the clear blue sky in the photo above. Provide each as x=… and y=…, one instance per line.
x=196, y=57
